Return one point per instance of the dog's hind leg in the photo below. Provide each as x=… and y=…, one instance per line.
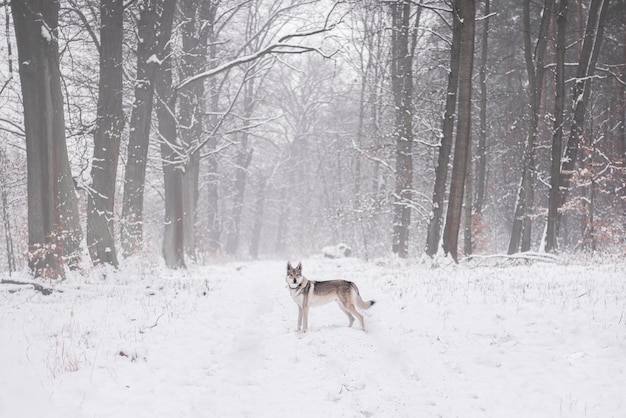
x=350, y=317
x=352, y=309
x=348, y=314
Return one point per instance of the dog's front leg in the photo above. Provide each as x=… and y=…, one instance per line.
x=305, y=313
x=299, y=317
x=306, y=317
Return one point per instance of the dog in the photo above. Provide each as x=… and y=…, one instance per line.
x=307, y=293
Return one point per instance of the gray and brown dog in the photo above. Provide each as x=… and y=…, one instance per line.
x=308, y=293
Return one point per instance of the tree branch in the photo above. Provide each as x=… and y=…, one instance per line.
x=86, y=24
x=280, y=47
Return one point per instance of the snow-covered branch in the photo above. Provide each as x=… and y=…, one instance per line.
x=282, y=46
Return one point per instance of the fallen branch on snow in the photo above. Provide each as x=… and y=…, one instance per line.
x=529, y=256
x=39, y=288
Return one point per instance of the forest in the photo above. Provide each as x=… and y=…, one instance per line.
x=240, y=129
x=165, y=163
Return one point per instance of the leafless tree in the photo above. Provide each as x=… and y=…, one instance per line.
x=534, y=57
x=54, y=229
x=403, y=43
x=467, y=13
x=433, y=236
x=107, y=136
x=557, y=135
x=594, y=32
x=141, y=117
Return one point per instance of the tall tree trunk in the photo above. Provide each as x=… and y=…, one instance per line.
x=581, y=28
x=6, y=222
x=557, y=135
x=244, y=158
x=213, y=219
x=594, y=32
x=258, y=216
x=109, y=125
x=482, y=138
x=535, y=71
x=139, y=136
x=357, y=197
x=197, y=28
x=171, y=149
x=441, y=173
x=212, y=163
x=191, y=175
x=283, y=216
x=191, y=110
x=402, y=87
x=621, y=108
x=54, y=232
x=467, y=210
x=467, y=13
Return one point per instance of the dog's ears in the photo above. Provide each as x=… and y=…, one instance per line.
x=298, y=267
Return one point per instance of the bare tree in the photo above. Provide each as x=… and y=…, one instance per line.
x=259, y=209
x=198, y=37
x=403, y=41
x=6, y=222
x=482, y=138
x=433, y=236
x=535, y=70
x=557, y=134
x=107, y=137
x=139, y=136
x=467, y=13
x=244, y=152
x=594, y=32
x=242, y=164
x=367, y=57
x=54, y=232
x=171, y=149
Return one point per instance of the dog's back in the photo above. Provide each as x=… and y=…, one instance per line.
x=345, y=291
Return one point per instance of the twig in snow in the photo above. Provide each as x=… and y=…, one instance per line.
x=156, y=322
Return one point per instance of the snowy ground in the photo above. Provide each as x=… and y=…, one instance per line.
x=540, y=340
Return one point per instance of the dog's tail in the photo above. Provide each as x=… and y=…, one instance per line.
x=363, y=305
x=359, y=301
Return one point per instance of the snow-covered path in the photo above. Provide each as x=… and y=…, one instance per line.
x=539, y=341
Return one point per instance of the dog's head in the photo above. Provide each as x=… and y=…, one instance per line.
x=294, y=275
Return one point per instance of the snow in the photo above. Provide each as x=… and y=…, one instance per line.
x=46, y=34
x=153, y=59
x=480, y=339
x=337, y=251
